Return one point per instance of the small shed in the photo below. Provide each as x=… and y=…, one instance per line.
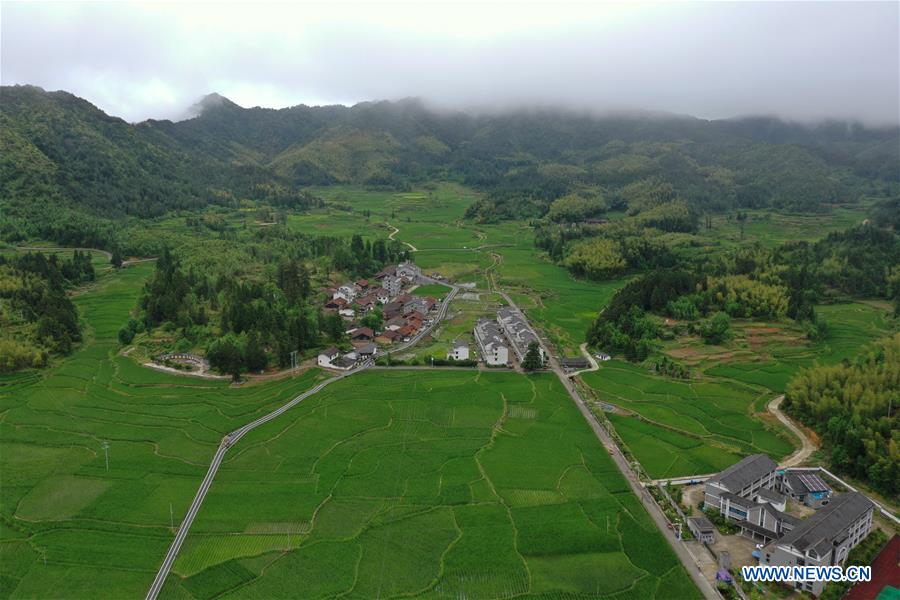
x=703, y=529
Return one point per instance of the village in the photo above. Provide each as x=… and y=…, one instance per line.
x=385, y=314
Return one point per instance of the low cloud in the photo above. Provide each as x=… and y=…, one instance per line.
x=801, y=61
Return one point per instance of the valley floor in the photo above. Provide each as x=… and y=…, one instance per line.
x=389, y=483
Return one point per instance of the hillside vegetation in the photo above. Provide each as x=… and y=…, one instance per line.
x=67, y=169
x=853, y=405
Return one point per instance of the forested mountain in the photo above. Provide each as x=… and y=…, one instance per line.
x=59, y=150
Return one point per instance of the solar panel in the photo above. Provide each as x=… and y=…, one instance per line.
x=812, y=482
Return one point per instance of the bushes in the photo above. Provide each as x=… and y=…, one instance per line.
x=716, y=329
x=596, y=259
x=15, y=355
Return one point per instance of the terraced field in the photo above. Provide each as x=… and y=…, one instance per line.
x=689, y=427
x=697, y=427
x=434, y=484
x=70, y=524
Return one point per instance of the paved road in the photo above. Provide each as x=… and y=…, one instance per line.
x=593, y=362
x=807, y=446
x=232, y=438
x=227, y=442
x=622, y=463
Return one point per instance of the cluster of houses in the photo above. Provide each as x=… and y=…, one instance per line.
x=754, y=494
x=404, y=314
x=356, y=298
x=510, y=330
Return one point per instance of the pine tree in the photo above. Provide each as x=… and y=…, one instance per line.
x=532, y=360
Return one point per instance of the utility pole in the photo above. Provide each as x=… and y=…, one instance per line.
x=294, y=363
x=106, y=453
x=171, y=517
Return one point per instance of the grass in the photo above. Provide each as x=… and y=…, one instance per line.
x=436, y=290
x=687, y=427
x=697, y=427
x=425, y=483
x=86, y=528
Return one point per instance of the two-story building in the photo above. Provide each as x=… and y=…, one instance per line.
x=490, y=343
x=824, y=539
x=733, y=491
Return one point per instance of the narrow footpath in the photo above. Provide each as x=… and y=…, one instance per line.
x=395, y=232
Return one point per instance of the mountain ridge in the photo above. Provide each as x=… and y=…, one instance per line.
x=522, y=160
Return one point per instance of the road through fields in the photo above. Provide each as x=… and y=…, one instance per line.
x=233, y=437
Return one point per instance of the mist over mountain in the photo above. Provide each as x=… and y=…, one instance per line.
x=59, y=148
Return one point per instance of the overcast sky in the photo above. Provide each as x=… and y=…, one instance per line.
x=801, y=61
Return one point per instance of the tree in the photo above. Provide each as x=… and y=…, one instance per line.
x=226, y=355
x=716, y=329
x=532, y=360
x=116, y=258
x=333, y=327
x=373, y=319
x=254, y=355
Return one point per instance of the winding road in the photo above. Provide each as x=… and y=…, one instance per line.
x=807, y=446
x=594, y=366
x=105, y=253
x=395, y=232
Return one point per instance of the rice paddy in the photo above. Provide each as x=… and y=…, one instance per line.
x=68, y=522
x=403, y=483
x=700, y=426
x=392, y=483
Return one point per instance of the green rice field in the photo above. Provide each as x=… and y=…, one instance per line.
x=70, y=524
x=687, y=428
x=701, y=426
x=424, y=483
x=392, y=483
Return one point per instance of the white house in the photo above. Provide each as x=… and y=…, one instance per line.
x=393, y=285
x=348, y=291
x=409, y=270
x=328, y=355
x=517, y=331
x=493, y=350
x=459, y=350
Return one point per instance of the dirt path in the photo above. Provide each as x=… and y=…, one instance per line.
x=807, y=447
x=594, y=366
x=201, y=374
x=395, y=232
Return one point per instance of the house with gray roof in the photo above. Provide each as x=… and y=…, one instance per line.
x=702, y=529
x=459, y=350
x=824, y=539
x=766, y=523
x=518, y=332
x=806, y=487
x=733, y=491
x=494, y=350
